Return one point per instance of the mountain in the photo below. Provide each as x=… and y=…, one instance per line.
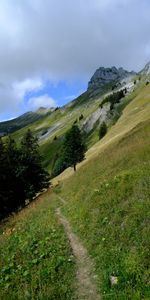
x=88, y=111
x=22, y=121
x=107, y=77
x=88, y=235
x=146, y=69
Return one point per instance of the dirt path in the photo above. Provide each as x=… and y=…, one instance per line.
x=86, y=289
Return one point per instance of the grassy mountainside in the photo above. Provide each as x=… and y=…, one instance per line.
x=107, y=204
x=59, y=121
x=36, y=261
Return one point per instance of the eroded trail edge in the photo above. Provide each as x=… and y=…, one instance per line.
x=86, y=288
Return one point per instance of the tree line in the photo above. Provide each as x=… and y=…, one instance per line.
x=21, y=173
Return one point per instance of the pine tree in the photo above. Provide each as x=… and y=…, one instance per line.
x=16, y=185
x=34, y=176
x=73, y=147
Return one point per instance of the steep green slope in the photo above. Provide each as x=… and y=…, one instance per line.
x=108, y=203
x=36, y=261
x=54, y=125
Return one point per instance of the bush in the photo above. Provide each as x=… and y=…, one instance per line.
x=81, y=117
x=102, y=130
x=59, y=166
x=55, y=137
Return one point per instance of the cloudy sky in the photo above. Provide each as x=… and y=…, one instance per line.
x=49, y=49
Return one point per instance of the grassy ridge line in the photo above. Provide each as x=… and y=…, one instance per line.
x=107, y=203
x=36, y=261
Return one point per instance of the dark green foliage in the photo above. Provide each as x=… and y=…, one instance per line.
x=34, y=176
x=72, y=151
x=102, y=130
x=81, y=117
x=44, y=132
x=75, y=122
x=22, y=174
x=55, y=137
x=73, y=147
x=147, y=82
x=59, y=166
x=113, y=99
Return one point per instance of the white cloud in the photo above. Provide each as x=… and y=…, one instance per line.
x=41, y=101
x=28, y=85
x=66, y=39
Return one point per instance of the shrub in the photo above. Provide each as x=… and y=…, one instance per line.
x=102, y=130
x=81, y=117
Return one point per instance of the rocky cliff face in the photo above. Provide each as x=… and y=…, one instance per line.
x=105, y=76
x=146, y=70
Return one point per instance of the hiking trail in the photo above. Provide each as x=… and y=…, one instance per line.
x=86, y=287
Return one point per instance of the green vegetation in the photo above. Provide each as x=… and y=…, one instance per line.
x=113, y=99
x=108, y=205
x=36, y=261
x=22, y=174
x=72, y=151
x=102, y=130
x=73, y=147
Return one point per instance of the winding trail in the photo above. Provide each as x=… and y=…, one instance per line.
x=86, y=288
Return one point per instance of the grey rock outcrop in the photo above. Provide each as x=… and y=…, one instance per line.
x=146, y=70
x=104, y=76
x=99, y=116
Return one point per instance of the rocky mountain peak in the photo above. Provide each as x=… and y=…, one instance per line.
x=104, y=76
x=146, y=70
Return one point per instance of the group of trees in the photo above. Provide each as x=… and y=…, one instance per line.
x=21, y=173
x=113, y=98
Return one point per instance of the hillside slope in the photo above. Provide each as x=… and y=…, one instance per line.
x=107, y=204
x=108, y=201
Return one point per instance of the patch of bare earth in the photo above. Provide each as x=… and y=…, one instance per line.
x=85, y=288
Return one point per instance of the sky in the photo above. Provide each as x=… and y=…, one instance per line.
x=50, y=49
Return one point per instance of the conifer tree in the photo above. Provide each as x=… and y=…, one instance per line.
x=73, y=147
x=33, y=174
